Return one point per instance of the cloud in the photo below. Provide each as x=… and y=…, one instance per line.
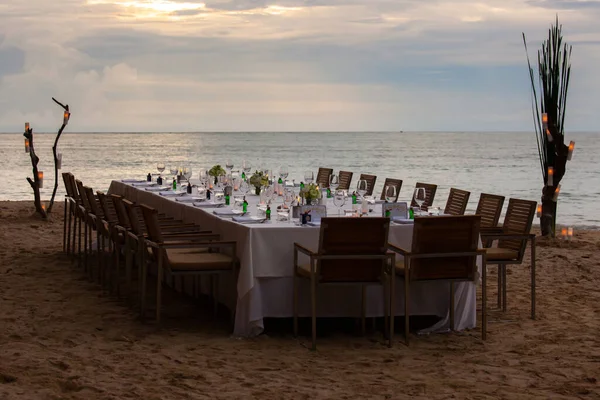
x=286, y=64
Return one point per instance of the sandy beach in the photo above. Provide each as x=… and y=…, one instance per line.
x=62, y=337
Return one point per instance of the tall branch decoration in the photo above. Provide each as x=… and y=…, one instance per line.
x=38, y=176
x=549, y=110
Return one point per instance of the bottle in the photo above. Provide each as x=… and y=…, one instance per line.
x=411, y=213
x=245, y=206
x=174, y=184
x=353, y=197
x=328, y=193
x=226, y=198
x=388, y=213
x=268, y=212
x=364, y=207
x=301, y=185
x=189, y=189
x=243, y=175
x=280, y=181
x=149, y=177
x=159, y=180
x=207, y=194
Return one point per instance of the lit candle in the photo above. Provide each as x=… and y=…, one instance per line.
x=41, y=179
x=66, y=117
x=539, y=211
x=550, y=139
x=556, y=192
x=59, y=161
x=545, y=119
x=44, y=207
x=26, y=145
x=26, y=126
x=564, y=233
x=281, y=190
x=570, y=233
x=550, y=176
x=571, y=148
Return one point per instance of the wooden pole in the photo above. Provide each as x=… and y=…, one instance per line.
x=66, y=117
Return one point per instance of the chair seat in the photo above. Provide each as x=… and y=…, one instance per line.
x=500, y=254
x=400, y=267
x=304, y=270
x=180, y=260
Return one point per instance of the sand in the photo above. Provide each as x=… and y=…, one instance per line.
x=62, y=337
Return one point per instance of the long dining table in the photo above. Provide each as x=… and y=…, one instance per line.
x=263, y=286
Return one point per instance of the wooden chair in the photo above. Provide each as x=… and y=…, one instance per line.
x=176, y=258
x=85, y=217
x=69, y=214
x=512, y=243
x=371, y=179
x=443, y=248
x=429, y=195
x=397, y=183
x=351, y=251
x=489, y=208
x=323, y=176
x=457, y=202
x=345, y=180
x=100, y=225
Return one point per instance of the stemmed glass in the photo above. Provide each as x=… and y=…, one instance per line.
x=247, y=167
x=229, y=165
x=334, y=182
x=160, y=167
x=244, y=187
x=269, y=190
x=187, y=173
x=390, y=193
x=362, y=187
x=339, y=200
x=173, y=170
x=419, y=197
x=283, y=173
x=309, y=176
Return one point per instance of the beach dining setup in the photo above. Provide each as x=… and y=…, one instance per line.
x=262, y=246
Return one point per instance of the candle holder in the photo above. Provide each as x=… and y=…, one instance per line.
x=571, y=148
x=27, y=146
x=564, y=233
x=40, y=179
x=59, y=161
x=570, y=233
x=539, y=211
x=556, y=193
x=550, y=176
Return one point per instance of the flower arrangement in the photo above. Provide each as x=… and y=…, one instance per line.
x=310, y=192
x=216, y=171
x=258, y=180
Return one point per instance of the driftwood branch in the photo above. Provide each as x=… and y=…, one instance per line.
x=66, y=117
x=35, y=182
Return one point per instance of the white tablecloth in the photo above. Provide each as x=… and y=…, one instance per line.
x=264, y=283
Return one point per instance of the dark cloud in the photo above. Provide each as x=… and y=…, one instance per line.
x=12, y=60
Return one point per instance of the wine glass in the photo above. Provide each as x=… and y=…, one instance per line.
x=389, y=193
x=160, y=167
x=283, y=172
x=187, y=173
x=244, y=186
x=229, y=164
x=173, y=171
x=269, y=190
x=247, y=167
x=309, y=176
x=334, y=182
x=362, y=187
x=339, y=200
x=419, y=197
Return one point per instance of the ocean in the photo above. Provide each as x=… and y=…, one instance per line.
x=498, y=163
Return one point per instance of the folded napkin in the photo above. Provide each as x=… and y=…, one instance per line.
x=315, y=223
x=132, y=181
x=188, y=199
x=403, y=221
x=248, y=220
x=291, y=184
x=227, y=212
x=207, y=204
x=170, y=193
x=157, y=188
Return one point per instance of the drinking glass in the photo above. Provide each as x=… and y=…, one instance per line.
x=288, y=197
x=283, y=172
x=187, y=173
x=334, y=182
x=244, y=186
x=160, y=167
x=419, y=197
x=339, y=200
x=309, y=176
x=229, y=165
x=390, y=193
x=246, y=166
x=362, y=187
x=269, y=190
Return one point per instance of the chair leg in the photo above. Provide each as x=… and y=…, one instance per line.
x=85, y=248
x=452, y=306
x=406, y=308
x=363, y=310
x=159, y=276
x=504, y=288
x=484, y=299
x=392, y=304
x=313, y=301
x=499, y=286
x=215, y=293
x=143, y=283
x=117, y=268
x=65, y=227
x=295, y=304
x=68, y=247
x=533, y=277
x=79, y=254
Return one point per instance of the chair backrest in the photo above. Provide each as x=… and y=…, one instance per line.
x=133, y=217
x=82, y=195
x=323, y=177
x=518, y=221
x=67, y=182
x=371, y=179
x=445, y=234
x=103, y=200
x=457, y=202
x=353, y=237
x=489, y=208
x=397, y=183
x=122, y=217
x=150, y=216
x=74, y=188
x=429, y=195
x=345, y=180
x=94, y=207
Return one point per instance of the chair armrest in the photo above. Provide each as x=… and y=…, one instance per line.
x=190, y=245
x=492, y=230
x=304, y=250
x=192, y=237
x=510, y=236
x=398, y=250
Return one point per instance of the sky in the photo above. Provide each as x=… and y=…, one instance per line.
x=287, y=65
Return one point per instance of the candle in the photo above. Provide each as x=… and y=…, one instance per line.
x=556, y=193
x=59, y=161
x=41, y=179
x=564, y=232
x=550, y=176
x=571, y=148
x=26, y=126
x=570, y=232
x=545, y=118
x=66, y=117
x=550, y=139
x=44, y=207
x=539, y=211
x=26, y=145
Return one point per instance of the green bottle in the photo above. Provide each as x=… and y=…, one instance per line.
x=411, y=213
x=245, y=206
x=328, y=193
x=268, y=212
x=174, y=184
x=301, y=185
x=387, y=213
x=353, y=198
x=227, y=199
x=280, y=181
x=243, y=175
